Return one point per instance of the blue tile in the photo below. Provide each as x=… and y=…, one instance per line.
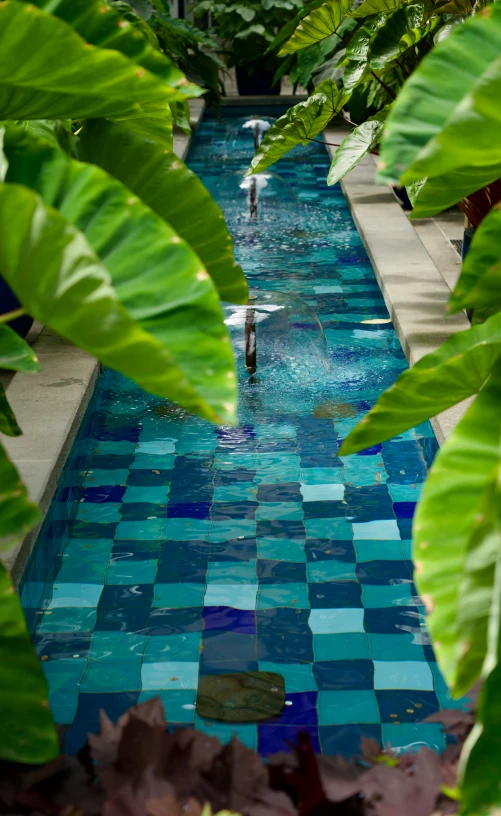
x=411, y=737
x=335, y=594
x=229, y=619
x=326, y=549
x=175, y=621
x=347, y=739
x=406, y=706
x=273, y=739
x=345, y=707
x=114, y=705
x=340, y=675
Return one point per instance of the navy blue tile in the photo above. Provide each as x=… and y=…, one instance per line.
x=392, y=620
x=371, y=451
x=409, y=706
x=112, y=461
x=135, y=549
x=283, y=621
x=234, y=436
x=181, y=572
x=226, y=511
x=347, y=739
x=403, y=461
x=229, y=619
x=285, y=648
x=405, y=528
x=382, y=572
x=321, y=461
x=123, y=595
x=219, y=646
x=175, y=621
x=429, y=653
x=324, y=549
x=77, y=735
x=335, y=595
x=429, y=448
x=148, y=478
x=300, y=709
x=280, y=492
x=369, y=503
x=131, y=619
x=325, y=509
x=225, y=478
x=280, y=529
x=180, y=551
x=339, y=675
x=404, y=510
x=235, y=666
x=107, y=428
x=114, y=704
x=195, y=510
x=273, y=739
x=280, y=572
x=62, y=645
x=234, y=549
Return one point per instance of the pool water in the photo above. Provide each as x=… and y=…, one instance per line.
x=175, y=549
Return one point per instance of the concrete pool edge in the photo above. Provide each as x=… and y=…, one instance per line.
x=414, y=291
x=50, y=406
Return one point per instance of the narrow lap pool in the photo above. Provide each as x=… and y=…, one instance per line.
x=175, y=549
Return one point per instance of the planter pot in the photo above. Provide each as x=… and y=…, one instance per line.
x=9, y=302
x=257, y=84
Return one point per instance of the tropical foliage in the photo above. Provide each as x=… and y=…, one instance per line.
x=95, y=243
x=435, y=122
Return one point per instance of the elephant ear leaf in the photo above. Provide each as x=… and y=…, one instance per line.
x=172, y=190
x=19, y=515
x=15, y=353
x=27, y=731
x=364, y=138
x=320, y=23
x=48, y=71
x=8, y=423
x=111, y=276
x=479, y=285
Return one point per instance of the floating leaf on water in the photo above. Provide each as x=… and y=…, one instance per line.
x=334, y=410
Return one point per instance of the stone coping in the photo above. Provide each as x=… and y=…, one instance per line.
x=50, y=406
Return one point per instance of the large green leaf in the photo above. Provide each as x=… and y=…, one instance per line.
x=290, y=26
x=141, y=301
x=479, y=285
x=369, y=7
x=17, y=514
x=299, y=125
x=448, y=517
x=358, y=51
x=435, y=91
x=386, y=44
x=361, y=141
x=443, y=378
x=173, y=191
x=15, y=353
x=8, y=423
x=441, y=192
x=48, y=71
x=27, y=731
x=100, y=24
x=320, y=23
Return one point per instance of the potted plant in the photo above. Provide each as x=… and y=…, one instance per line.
x=245, y=30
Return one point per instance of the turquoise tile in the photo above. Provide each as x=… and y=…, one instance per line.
x=344, y=707
x=194, y=447
x=67, y=619
x=240, y=491
x=246, y=732
x=322, y=492
x=107, y=676
x=179, y=704
x=116, y=448
x=178, y=596
x=231, y=572
x=320, y=476
x=63, y=706
x=338, y=529
x=298, y=676
x=180, y=529
x=152, y=495
x=127, y=571
x=146, y=530
x=116, y=647
x=284, y=474
x=402, y=674
x=166, y=648
x=233, y=461
x=377, y=597
x=404, y=737
x=144, y=461
x=96, y=478
x=336, y=621
x=272, y=462
x=78, y=549
x=271, y=431
x=379, y=550
x=88, y=570
x=239, y=596
x=82, y=595
x=405, y=493
x=407, y=550
x=156, y=447
x=287, y=594
x=226, y=530
x=388, y=647
x=104, y=512
x=281, y=549
x=361, y=471
x=291, y=511
x=345, y=646
x=385, y=529
x=169, y=674
x=321, y=571
x=63, y=675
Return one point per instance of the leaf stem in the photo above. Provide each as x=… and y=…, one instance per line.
x=8, y=316
x=383, y=85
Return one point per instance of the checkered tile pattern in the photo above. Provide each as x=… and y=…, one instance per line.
x=176, y=549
